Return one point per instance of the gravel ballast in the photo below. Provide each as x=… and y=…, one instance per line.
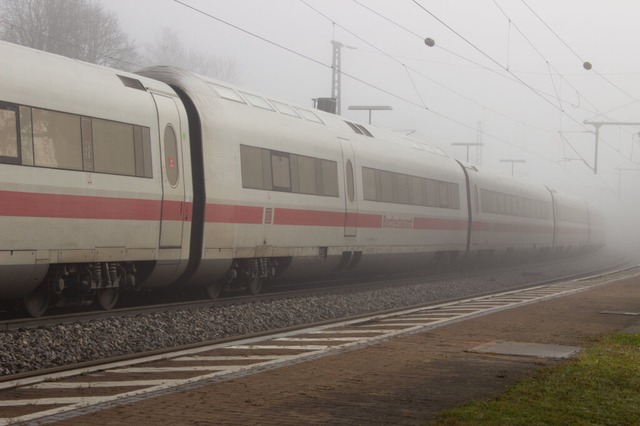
x=64, y=344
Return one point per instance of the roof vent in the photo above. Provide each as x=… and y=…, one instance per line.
x=131, y=82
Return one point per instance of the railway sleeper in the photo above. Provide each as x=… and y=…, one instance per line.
x=81, y=284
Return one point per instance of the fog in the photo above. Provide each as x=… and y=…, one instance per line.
x=507, y=74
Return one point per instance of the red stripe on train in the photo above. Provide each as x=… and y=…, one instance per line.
x=225, y=213
x=84, y=207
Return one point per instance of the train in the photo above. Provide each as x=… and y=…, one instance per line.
x=113, y=181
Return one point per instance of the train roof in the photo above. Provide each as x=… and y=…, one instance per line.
x=196, y=85
x=74, y=86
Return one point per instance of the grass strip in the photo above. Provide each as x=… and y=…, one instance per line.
x=601, y=386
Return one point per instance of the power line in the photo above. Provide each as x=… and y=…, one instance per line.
x=576, y=54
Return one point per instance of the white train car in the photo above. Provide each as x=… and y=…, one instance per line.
x=509, y=217
x=85, y=199
x=572, y=230
x=112, y=180
x=293, y=191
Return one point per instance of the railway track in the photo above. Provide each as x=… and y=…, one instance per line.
x=276, y=292
x=56, y=395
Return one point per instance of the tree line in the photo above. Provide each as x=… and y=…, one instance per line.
x=84, y=30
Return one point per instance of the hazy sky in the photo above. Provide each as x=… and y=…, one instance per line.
x=534, y=111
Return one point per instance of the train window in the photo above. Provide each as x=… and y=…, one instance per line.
x=251, y=165
x=307, y=175
x=171, y=155
x=138, y=149
x=26, y=136
x=228, y=93
x=9, y=136
x=113, y=149
x=351, y=189
x=330, y=178
x=432, y=193
x=285, y=109
x=402, y=189
x=87, y=144
x=386, y=187
x=443, y=194
x=56, y=139
x=454, y=196
x=281, y=171
x=369, y=184
x=142, y=151
x=309, y=115
x=417, y=194
x=258, y=101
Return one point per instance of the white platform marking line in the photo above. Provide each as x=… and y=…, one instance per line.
x=173, y=369
x=226, y=358
x=89, y=385
x=288, y=347
x=316, y=339
x=51, y=401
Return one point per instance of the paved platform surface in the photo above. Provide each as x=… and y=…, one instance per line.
x=405, y=381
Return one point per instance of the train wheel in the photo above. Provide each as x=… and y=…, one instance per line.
x=107, y=298
x=37, y=302
x=213, y=289
x=254, y=286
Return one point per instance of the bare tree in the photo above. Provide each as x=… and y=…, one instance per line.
x=79, y=29
x=169, y=50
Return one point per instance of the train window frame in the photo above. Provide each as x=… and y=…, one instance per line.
x=281, y=171
x=114, y=149
x=400, y=188
x=228, y=93
x=309, y=115
x=258, y=101
x=285, y=109
x=44, y=144
x=17, y=158
x=26, y=136
x=306, y=175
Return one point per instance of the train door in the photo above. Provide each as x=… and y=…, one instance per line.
x=173, y=185
x=350, y=199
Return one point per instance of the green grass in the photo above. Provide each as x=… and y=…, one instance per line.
x=601, y=386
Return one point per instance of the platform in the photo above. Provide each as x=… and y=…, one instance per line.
x=403, y=381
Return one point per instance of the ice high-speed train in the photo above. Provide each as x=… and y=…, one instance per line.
x=114, y=181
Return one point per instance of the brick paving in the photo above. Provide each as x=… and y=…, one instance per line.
x=405, y=381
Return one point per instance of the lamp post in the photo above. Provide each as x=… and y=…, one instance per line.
x=513, y=163
x=370, y=108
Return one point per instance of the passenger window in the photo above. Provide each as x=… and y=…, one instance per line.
x=9, y=152
x=329, y=178
x=171, y=155
x=307, y=175
x=280, y=170
x=369, y=184
x=57, y=139
x=113, y=149
x=251, y=165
